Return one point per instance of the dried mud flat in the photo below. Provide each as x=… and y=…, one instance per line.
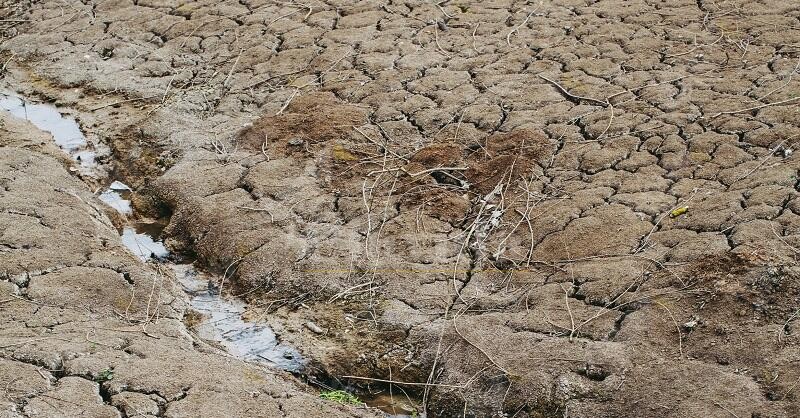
x=479, y=208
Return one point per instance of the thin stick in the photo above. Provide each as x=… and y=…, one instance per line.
x=733, y=112
x=33, y=302
x=233, y=68
x=281, y=17
x=225, y=273
x=277, y=76
x=435, y=360
x=395, y=382
x=574, y=96
x=788, y=80
x=610, y=119
x=314, y=80
x=569, y=311
x=772, y=226
x=726, y=409
x=767, y=157
x=3, y=70
x=606, y=308
x=788, y=391
x=474, y=39
x=384, y=146
x=166, y=90
x=439, y=5
x=293, y=4
x=288, y=101
x=436, y=38
x=516, y=28
x=677, y=327
x=430, y=170
x=271, y=217
x=264, y=147
x=348, y=290
x=368, y=207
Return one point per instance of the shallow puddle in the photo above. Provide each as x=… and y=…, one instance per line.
x=65, y=130
x=395, y=405
x=140, y=238
x=142, y=245
x=118, y=197
x=222, y=322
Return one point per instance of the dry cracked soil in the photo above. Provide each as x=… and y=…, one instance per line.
x=492, y=208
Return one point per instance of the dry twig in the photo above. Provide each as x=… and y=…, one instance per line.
x=516, y=28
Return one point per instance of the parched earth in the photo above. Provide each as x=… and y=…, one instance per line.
x=498, y=208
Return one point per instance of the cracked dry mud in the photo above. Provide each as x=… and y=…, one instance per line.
x=471, y=199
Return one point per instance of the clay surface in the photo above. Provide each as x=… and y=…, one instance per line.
x=506, y=208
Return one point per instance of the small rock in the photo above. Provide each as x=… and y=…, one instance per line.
x=691, y=324
x=595, y=372
x=296, y=142
x=314, y=328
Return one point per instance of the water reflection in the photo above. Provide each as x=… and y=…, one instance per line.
x=65, y=130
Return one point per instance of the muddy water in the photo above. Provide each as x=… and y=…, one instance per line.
x=396, y=405
x=224, y=323
x=222, y=317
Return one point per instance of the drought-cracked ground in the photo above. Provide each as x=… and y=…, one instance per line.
x=501, y=208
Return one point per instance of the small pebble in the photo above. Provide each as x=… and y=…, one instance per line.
x=314, y=328
x=692, y=324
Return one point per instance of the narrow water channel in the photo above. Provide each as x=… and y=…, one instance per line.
x=222, y=319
